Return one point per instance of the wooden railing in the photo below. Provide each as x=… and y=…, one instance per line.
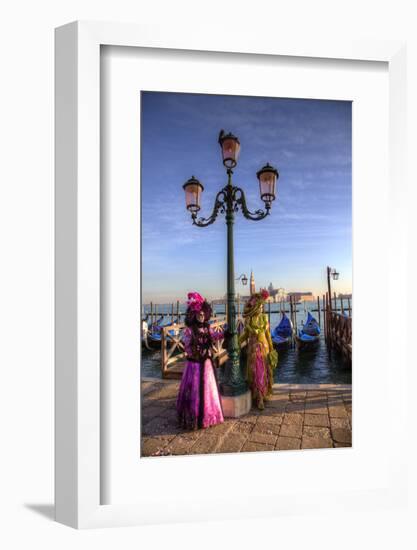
x=173, y=353
x=339, y=332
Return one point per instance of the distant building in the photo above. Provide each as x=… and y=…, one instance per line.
x=252, y=284
x=300, y=296
x=345, y=296
x=273, y=292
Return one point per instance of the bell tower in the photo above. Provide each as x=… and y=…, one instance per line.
x=252, y=284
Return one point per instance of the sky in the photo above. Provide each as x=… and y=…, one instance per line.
x=309, y=228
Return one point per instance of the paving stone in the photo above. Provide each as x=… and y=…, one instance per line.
x=170, y=414
x=267, y=427
x=165, y=391
x=276, y=406
x=151, y=445
x=270, y=417
x=258, y=437
x=162, y=426
x=336, y=444
x=339, y=422
x=315, y=443
x=280, y=396
x=180, y=445
x=342, y=435
x=315, y=437
x=291, y=430
x=336, y=396
x=317, y=431
x=343, y=395
x=250, y=418
x=316, y=420
x=205, y=444
x=242, y=427
x=232, y=443
x=293, y=418
x=287, y=443
x=151, y=411
x=152, y=427
x=168, y=403
x=338, y=411
x=316, y=407
x=193, y=434
x=293, y=407
x=315, y=393
x=251, y=446
x=153, y=386
x=298, y=396
x=147, y=387
x=222, y=428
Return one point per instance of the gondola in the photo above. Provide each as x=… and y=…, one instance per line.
x=282, y=333
x=154, y=337
x=309, y=336
x=145, y=334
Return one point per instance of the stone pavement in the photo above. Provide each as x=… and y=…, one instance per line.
x=296, y=417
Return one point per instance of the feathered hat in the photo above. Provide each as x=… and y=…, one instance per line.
x=197, y=303
x=254, y=305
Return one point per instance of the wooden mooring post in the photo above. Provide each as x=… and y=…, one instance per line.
x=318, y=308
x=327, y=314
x=294, y=309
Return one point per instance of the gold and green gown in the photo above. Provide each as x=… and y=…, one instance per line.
x=262, y=358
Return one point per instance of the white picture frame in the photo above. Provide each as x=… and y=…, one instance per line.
x=78, y=426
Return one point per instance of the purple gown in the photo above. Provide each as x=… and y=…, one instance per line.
x=198, y=402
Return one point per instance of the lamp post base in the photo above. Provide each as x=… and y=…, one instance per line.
x=236, y=405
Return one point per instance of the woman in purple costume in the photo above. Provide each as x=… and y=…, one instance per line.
x=198, y=402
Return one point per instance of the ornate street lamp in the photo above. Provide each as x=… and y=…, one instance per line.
x=230, y=147
x=193, y=189
x=229, y=200
x=243, y=278
x=267, y=177
x=335, y=276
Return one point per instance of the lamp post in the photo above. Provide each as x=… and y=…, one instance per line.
x=331, y=273
x=228, y=201
x=242, y=278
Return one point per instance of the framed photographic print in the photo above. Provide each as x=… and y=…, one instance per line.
x=221, y=228
x=290, y=386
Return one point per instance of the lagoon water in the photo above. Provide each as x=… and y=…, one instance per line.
x=294, y=367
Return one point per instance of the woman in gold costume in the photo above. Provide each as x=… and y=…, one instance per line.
x=262, y=358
